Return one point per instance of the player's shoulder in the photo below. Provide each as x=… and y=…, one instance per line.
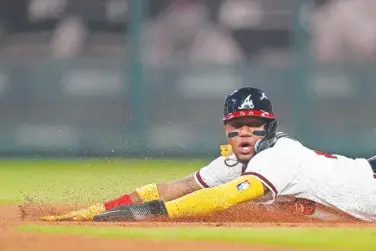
x=282, y=153
x=285, y=140
x=284, y=144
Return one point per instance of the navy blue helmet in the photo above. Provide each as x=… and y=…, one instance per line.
x=247, y=101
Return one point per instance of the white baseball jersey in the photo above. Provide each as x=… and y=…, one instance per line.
x=290, y=169
x=218, y=172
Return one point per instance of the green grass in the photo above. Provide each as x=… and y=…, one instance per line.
x=315, y=238
x=84, y=180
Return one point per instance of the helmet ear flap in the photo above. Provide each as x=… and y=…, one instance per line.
x=257, y=145
x=271, y=127
x=270, y=138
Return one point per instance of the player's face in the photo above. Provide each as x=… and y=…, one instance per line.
x=243, y=145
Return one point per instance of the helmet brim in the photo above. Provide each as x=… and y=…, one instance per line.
x=249, y=113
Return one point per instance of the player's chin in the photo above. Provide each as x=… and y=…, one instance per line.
x=245, y=157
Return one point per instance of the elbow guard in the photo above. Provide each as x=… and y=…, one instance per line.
x=210, y=200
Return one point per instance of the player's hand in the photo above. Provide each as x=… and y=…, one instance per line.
x=86, y=214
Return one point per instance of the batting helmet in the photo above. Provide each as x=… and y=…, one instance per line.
x=248, y=101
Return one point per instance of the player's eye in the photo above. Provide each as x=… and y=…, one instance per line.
x=237, y=126
x=253, y=124
x=256, y=124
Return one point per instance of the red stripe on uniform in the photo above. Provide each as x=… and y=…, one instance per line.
x=199, y=178
x=265, y=180
x=256, y=113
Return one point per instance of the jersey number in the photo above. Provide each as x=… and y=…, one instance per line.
x=328, y=155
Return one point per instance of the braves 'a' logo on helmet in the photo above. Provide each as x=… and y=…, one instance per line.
x=247, y=104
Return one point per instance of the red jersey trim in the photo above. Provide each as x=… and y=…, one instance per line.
x=200, y=180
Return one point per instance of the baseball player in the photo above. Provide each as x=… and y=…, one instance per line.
x=255, y=110
x=266, y=167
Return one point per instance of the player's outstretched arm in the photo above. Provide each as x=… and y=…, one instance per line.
x=164, y=191
x=200, y=203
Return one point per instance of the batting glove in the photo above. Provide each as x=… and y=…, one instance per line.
x=86, y=214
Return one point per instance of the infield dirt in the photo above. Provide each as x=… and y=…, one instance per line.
x=244, y=215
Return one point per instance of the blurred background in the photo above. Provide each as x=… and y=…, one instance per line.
x=149, y=77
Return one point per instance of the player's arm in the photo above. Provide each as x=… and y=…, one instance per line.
x=163, y=191
x=199, y=203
